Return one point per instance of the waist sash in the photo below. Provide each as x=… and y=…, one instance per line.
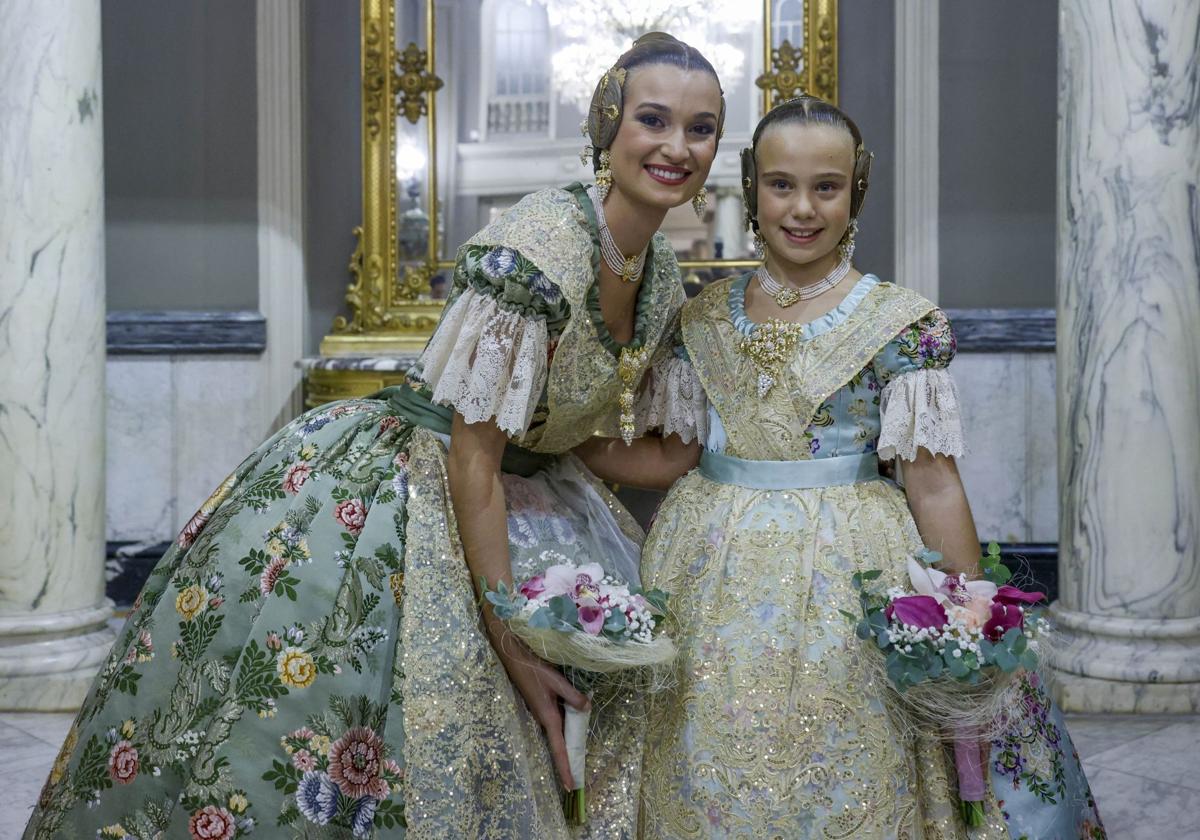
x=438, y=418
x=790, y=475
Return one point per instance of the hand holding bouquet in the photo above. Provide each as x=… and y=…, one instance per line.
x=595, y=626
x=951, y=646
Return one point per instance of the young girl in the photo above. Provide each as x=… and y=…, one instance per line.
x=814, y=374
x=308, y=660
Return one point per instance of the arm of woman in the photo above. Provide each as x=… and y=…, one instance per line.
x=477, y=496
x=650, y=462
x=939, y=507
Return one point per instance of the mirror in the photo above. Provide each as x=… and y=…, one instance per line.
x=469, y=105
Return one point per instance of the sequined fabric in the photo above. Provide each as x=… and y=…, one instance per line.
x=775, y=728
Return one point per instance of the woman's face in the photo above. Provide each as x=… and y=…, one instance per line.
x=667, y=139
x=804, y=183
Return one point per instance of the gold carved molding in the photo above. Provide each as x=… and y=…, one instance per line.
x=391, y=310
x=390, y=307
x=811, y=68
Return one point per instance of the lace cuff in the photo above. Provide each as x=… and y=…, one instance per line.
x=920, y=409
x=674, y=400
x=487, y=362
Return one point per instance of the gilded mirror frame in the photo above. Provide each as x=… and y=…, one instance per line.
x=392, y=313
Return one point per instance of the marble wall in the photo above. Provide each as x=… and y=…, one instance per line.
x=1009, y=471
x=177, y=425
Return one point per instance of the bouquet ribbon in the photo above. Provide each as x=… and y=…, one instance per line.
x=972, y=790
x=575, y=732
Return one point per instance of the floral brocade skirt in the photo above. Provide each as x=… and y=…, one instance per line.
x=775, y=728
x=307, y=660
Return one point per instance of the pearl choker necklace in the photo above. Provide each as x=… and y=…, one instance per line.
x=785, y=296
x=629, y=269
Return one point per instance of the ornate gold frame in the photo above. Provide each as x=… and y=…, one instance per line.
x=395, y=315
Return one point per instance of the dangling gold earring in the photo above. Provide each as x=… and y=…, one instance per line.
x=603, y=175
x=700, y=202
x=846, y=246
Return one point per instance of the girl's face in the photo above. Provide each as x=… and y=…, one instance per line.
x=804, y=182
x=667, y=139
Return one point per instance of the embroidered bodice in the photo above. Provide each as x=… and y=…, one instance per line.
x=868, y=375
x=523, y=342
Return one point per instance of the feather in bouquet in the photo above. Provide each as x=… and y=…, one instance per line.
x=595, y=626
x=951, y=647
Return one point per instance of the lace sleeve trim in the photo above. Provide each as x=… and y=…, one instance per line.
x=487, y=362
x=674, y=400
x=921, y=408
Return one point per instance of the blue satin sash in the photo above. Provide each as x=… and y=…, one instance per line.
x=789, y=475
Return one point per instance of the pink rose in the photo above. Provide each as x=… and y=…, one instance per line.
x=975, y=613
x=295, y=478
x=270, y=575
x=303, y=761
x=388, y=423
x=401, y=460
x=533, y=587
x=591, y=616
x=123, y=763
x=356, y=763
x=211, y=823
x=352, y=513
x=917, y=610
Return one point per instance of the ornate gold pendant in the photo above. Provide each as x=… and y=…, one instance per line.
x=629, y=271
x=787, y=297
x=770, y=347
x=629, y=369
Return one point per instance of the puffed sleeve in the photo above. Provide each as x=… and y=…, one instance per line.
x=489, y=355
x=919, y=405
x=673, y=399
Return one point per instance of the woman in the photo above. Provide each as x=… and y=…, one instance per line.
x=814, y=373
x=309, y=659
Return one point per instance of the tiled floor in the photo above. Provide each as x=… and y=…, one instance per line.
x=1145, y=771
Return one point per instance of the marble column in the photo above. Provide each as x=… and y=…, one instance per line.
x=730, y=223
x=1129, y=356
x=53, y=635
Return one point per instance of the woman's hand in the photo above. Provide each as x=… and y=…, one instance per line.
x=477, y=495
x=543, y=686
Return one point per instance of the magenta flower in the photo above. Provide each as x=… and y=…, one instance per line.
x=533, y=587
x=1011, y=595
x=591, y=616
x=1004, y=617
x=917, y=610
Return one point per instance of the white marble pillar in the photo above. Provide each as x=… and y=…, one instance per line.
x=730, y=223
x=53, y=635
x=1129, y=356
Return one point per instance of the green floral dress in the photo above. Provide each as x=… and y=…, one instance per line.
x=307, y=659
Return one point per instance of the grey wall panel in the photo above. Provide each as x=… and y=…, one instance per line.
x=180, y=155
x=866, y=82
x=997, y=148
x=332, y=158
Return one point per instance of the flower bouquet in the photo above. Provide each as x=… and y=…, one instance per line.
x=592, y=624
x=951, y=647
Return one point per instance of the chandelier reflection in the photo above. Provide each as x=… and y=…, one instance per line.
x=597, y=31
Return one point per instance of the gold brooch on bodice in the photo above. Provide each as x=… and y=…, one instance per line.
x=629, y=369
x=770, y=347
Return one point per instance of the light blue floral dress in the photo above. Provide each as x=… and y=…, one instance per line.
x=307, y=659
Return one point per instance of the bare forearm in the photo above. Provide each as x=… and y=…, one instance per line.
x=943, y=516
x=477, y=496
x=650, y=462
